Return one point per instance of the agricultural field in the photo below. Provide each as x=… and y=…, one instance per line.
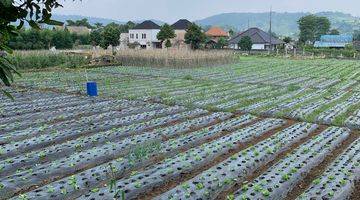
x=263, y=128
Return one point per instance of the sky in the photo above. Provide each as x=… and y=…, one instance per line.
x=172, y=10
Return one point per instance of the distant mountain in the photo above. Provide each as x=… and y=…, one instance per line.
x=284, y=24
x=93, y=20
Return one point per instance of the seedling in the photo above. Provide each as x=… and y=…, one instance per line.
x=257, y=188
x=199, y=186
x=285, y=177
x=265, y=192
x=137, y=185
x=185, y=186
x=317, y=181
x=245, y=188
x=230, y=197
x=23, y=197
x=51, y=189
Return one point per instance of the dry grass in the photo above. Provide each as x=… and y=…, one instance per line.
x=171, y=58
x=130, y=57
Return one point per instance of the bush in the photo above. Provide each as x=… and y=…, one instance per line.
x=347, y=52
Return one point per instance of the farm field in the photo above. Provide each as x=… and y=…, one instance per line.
x=263, y=128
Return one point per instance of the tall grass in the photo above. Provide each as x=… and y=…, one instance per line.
x=172, y=58
x=155, y=58
x=44, y=59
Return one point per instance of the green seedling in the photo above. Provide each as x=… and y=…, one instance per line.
x=257, y=188
x=199, y=186
x=230, y=197
x=265, y=192
x=317, y=181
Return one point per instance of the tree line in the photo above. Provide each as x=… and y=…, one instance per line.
x=35, y=39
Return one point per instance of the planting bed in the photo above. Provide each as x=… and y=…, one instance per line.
x=261, y=129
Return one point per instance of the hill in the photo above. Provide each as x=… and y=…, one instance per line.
x=283, y=23
x=94, y=20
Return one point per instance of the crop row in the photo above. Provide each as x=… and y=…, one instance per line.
x=278, y=180
x=138, y=157
x=224, y=175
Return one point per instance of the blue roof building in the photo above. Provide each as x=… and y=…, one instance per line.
x=334, y=41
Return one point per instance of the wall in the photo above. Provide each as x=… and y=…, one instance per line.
x=254, y=46
x=258, y=47
x=150, y=36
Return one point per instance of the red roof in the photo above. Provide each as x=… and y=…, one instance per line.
x=216, y=32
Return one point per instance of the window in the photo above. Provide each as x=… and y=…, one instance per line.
x=131, y=36
x=143, y=36
x=137, y=36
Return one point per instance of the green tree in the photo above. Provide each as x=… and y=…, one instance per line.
x=110, y=36
x=287, y=40
x=222, y=42
x=31, y=11
x=95, y=37
x=245, y=43
x=168, y=44
x=356, y=35
x=98, y=25
x=231, y=33
x=62, y=40
x=312, y=27
x=130, y=25
x=166, y=33
x=334, y=32
x=194, y=36
x=81, y=22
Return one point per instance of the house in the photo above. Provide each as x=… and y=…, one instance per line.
x=260, y=39
x=180, y=27
x=334, y=41
x=215, y=33
x=145, y=35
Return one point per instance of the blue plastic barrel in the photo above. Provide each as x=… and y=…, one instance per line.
x=92, y=89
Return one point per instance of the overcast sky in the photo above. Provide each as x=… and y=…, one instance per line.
x=171, y=10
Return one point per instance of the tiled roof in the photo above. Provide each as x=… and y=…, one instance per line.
x=257, y=36
x=182, y=24
x=216, y=32
x=148, y=24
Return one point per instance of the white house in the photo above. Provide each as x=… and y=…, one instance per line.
x=144, y=35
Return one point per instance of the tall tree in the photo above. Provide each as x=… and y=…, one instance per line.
x=110, y=36
x=231, y=32
x=95, y=37
x=356, y=35
x=166, y=33
x=222, y=42
x=31, y=11
x=334, y=32
x=98, y=25
x=245, y=44
x=312, y=27
x=287, y=40
x=194, y=36
x=81, y=22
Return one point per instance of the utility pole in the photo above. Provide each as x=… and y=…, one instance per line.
x=270, y=29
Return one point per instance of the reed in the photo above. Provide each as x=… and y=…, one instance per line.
x=171, y=57
x=45, y=59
